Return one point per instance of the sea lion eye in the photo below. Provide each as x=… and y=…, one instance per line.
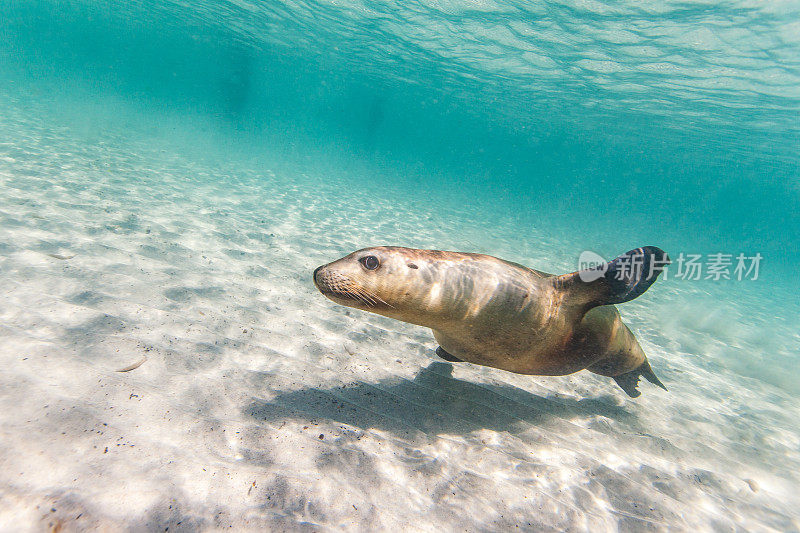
x=370, y=262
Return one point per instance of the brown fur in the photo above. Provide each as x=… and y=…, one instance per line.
x=487, y=311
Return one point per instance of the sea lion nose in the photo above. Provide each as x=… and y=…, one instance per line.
x=315, y=275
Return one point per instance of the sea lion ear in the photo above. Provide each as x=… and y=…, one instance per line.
x=618, y=281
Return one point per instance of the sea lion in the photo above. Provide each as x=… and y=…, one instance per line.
x=491, y=312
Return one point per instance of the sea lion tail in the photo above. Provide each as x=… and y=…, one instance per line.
x=629, y=381
x=618, y=281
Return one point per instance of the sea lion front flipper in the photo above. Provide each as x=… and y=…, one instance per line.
x=630, y=380
x=447, y=356
x=617, y=281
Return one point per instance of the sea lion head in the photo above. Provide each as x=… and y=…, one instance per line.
x=387, y=280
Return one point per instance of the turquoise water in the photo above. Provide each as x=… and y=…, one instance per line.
x=679, y=119
x=172, y=172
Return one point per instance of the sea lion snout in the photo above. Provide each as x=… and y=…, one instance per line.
x=379, y=280
x=327, y=281
x=316, y=279
x=338, y=284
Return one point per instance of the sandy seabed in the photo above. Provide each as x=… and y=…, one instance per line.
x=260, y=404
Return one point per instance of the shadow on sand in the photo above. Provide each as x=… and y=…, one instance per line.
x=434, y=402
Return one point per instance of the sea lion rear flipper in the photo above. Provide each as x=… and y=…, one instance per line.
x=630, y=380
x=447, y=356
x=618, y=281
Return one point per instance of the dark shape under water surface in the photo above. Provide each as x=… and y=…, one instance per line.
x=491, y=312
x=433, y=403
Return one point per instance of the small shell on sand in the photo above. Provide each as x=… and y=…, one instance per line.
x=134, y=366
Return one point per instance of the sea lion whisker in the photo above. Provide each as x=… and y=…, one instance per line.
x=356, y=292
x=357, y=287
x=381, y=300
x=372, y=296
x=360, y=286
x=366, y=293
x=366, y=296
x=354, y=295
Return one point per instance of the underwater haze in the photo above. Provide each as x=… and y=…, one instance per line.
x=172, y=172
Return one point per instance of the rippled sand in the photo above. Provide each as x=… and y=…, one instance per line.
x=259, y=403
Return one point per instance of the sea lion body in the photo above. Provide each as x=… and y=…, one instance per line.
x=491, y=312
